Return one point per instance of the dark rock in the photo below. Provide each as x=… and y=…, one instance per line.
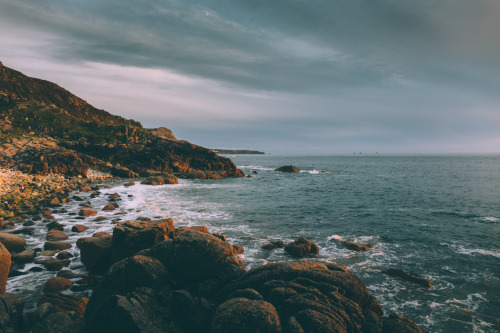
x=169, y=179
x=352, y=245
x=247, y=293
x=67, y=274
x=65, y=303
x=238, y=249
x=140, y=271
x=79, y=228
x=109, y=207
x=64, y=255
x=302, y=247
x=99, y=219
x=246, y=316
x=132, y=237
x=12, y=242
x=287, y=168
x=408, y=277
x=114, y=196
x=11, y=312
x=220, y=236
x=24, y=257
x=397, y=324
x=53, y=264
x=193, y=256
x=95, y=252
x=274, y=245
x=59, y=322
x=129, y=184
x=54, y=225
x=5, y=261
x=155, y=180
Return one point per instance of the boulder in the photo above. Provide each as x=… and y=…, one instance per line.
x=396, y=272
x=87, y=212
x=12, y=243
x=5, y=261
x=238, y=249
x=273, y=245
x=246, y=316
x=193, y=257
x=11, y=312
x=56, y=322
x=24, y=257
x=140, y=271
x=129, y=184
x=352, y=245
x=288, y=168
x=56, y=246
x=56, y=235
x=56, y=284
x=169, y=179
x=55, y=225
x=132, y=237
x=79, y=228
x=154, y=180
x=397, y=324
x=53, y=264
x=302, y=247
x=95, y=252
x=65, y=303
x=64, y=255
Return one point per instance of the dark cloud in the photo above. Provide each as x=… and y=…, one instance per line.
x=378, y=72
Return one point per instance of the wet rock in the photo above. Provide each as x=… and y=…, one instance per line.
x=67, y=274
x=287, y=168
x=11, y=312
x=409, y=277
x=56, y=284
x=302, y=247
x=257, y=316
x=129, y=184
x=64, y=255
x=53, y=264
x=48, y=253
x=12, y=242
x=100, y=218
x=95, y=252
x=273, y=245
x=237, y=249
x=5, y=261
x=87, y=212
x=56, y=246
x=24, y=257
x=54, y=225
x=114, y=196
x=132, y=237
x=352, y=245
x=56, y=322
x=220, y=236
x=47, y=213
x=55, y=202
x=56, y=235
x=101, y=234
x=79, y=228
x=169, y=179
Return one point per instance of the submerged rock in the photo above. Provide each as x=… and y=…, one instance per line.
x=396, y=272
x=288, y=168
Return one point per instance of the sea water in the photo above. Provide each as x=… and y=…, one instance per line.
x=435, y=216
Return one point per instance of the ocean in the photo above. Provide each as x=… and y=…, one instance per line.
x=437, y=216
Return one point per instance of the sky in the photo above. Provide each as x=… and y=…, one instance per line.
x=280, y=76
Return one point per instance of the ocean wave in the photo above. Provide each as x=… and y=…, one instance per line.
x=255, y=167
x=315, y=172
x=461, y=249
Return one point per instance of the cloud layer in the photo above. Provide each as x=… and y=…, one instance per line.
x=281, y=76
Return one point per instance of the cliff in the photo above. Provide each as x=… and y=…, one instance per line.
x=41, y=122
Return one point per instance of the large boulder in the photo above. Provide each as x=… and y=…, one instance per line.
x=396, y=272
x=246, y=316
x=56, y=235
x=397, y=324
x=193, y=257
x=11, y=313
x=95, y=252
x=302, y=247
x=12, y=243
x=154, y=180
x=140, y=271
x=132, y=237
x=5, y=262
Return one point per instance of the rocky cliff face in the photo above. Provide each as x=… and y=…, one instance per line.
x=39, y=119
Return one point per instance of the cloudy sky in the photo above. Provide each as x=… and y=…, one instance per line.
x=282, y=76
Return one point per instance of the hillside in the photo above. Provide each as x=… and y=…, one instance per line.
x=41, y=122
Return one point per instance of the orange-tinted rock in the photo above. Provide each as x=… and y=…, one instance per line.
x=56, y=284
x=237, y=249
x=79, y=228
x=109, y=207
x=87, y=212
x=5, y=262
x=56, y=235
x=302, y=247
x=12, y=243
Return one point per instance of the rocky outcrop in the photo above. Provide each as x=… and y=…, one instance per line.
x=95, y=252
x=62, y=133
x=288, y=168
x=302, y=247
x=396, y=272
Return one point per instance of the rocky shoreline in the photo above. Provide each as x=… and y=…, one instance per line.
x=149, y=276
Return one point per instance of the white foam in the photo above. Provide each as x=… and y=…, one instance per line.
x=255, y=167
x=490, y=219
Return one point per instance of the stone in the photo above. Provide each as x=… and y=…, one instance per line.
x=109, y=207
x=169, y=179
x=273, y=245
x=56, y=235
x=12, y=242
x=11, y=312
x=288, y=168
x=397, y=324
x=95, y=252
x=56, y=246
x=56, y=284
x=238, y=249
x=100, y=218
x=5, y=261
x=55, y=322
x=132, y=237
x=79, y=228
x=246, y=316
x=64, y=255
x=53, y=264
x=155, y=180
x=302, y=247
x=129, y=184
x=87, y=212
x=24, y=257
